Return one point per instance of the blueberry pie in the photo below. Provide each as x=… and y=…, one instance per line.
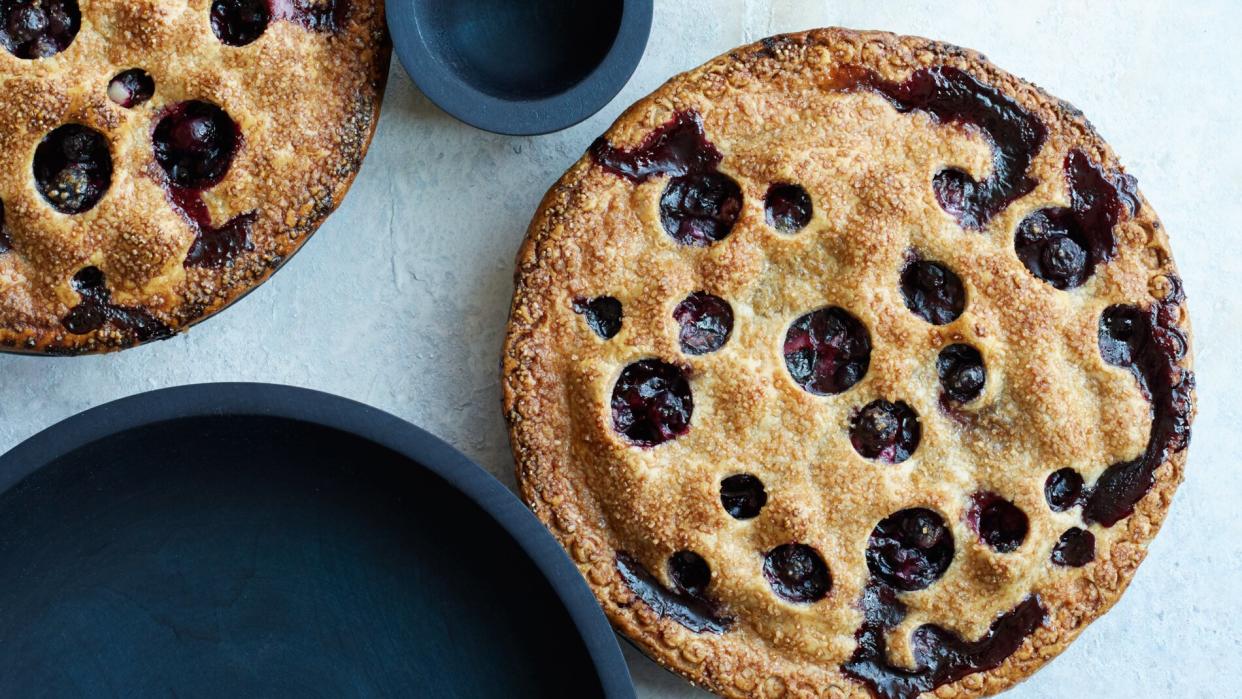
x=160, y=158
x=849, y=365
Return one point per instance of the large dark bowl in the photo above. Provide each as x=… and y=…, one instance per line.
x=254, y=540
x=520, y=67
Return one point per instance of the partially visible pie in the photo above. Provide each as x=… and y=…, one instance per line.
x=160, y=158
x=848, y=364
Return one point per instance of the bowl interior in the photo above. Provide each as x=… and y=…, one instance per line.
x=519, y=50
x=263, y=556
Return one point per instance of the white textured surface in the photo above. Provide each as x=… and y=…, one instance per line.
x=400, y=300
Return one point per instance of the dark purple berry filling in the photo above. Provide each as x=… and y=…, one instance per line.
x=651, y=402
x=700, y=204
x=787, y=207
x=1075, y=548
x=1063, y=490
x=1053, y=247
x=954, y=191
x=910, y=549
x=884, y=431
x=706, y=322
x=195, y=143
x=1099, y=199
x=690, y=573
x=700, y=209
x=743, y=496
x=212, y=247
x=940, y=656
x=603, y=314
x=315, y=15
x=961, y=371
x=953, y=96
x=827, y=351
x=797, y=573
x=6, y=243
x=218, y=247
x=693, y=612
x=999, y=523
x=95, y=309
x=131, y=88
x=1150, y=344
x=73, y=168
x=239, y=22
x=932, y=291
x=679, y=147
x=1122, y=336
x=38, y=28
x=1063, y=246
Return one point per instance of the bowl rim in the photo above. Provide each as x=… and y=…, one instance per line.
x=334, y=412
x=520, y=117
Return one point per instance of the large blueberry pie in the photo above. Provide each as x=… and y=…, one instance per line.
x=850, y=365
x=159, y=158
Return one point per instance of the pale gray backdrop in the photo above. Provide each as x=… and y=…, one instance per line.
x=400, y=299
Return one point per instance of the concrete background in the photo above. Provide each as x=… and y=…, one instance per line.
x=400, y=300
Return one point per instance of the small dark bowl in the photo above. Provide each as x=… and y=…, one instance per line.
x=250, y=540
x=520, y=67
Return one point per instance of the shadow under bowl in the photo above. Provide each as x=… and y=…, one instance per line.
x=520, y=67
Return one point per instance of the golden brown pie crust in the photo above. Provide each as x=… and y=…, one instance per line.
x=306, y=102
x=1050, y=400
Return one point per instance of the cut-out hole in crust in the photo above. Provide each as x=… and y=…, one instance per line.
x=195, y=143
x=689, y=572
x=1075, y=548
x=652, y=403
x=705, y=321
x=962, y=373
x=743, y=496
x=700, y=208
x=827, y=351
x=953, y=96
x=73, y=168
x=316, y=15
x=940, y=656
x=6, y=243
x=1063, y=246
x=999, y=523
x=700, y=204
x=932, y=291
x=242, y=22
x=603, y=314
x=38, y=28
x=678, y=147
x=910, y=549
x=886, y=432
x=214, y=247
x=1053, y=248
x=239, y=22
x=95, y=310
x=1150, y=344
x=797, y=573
x=1063, y=489
x=787, y=208
x=695, y=613
x=131, y=88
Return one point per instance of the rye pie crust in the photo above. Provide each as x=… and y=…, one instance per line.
x=160, y=158
x=849, y=365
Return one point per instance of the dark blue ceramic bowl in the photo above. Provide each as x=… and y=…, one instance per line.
x=520, y=67
x=245, y=540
